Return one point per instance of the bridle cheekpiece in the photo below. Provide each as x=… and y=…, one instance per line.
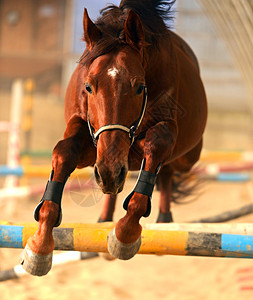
x=131, y=131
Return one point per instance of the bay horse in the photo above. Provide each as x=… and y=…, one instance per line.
x=135, y=101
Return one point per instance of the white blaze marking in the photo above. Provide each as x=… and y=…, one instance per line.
x=113, y=72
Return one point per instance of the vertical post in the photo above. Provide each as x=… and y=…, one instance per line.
x=68, y=62
x=14, y=137
x=28, y=110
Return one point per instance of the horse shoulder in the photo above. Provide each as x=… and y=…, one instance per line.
x=75, y=98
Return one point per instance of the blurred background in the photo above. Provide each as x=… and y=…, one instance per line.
x=40, y=45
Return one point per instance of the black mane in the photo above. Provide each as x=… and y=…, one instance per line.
x=153, y=14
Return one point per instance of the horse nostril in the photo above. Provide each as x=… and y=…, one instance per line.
x=97, y=175
x=122, y=174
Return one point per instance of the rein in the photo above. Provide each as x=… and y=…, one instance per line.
x=131, y=131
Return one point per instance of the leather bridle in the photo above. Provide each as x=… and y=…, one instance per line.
x=131, y=131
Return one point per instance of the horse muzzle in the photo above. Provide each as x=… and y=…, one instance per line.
x=110, y=179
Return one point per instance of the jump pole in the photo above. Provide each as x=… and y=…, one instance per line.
x=27, y=191
x=222, y=156
x=39, y=171
x=212, y=173
x=93, y=238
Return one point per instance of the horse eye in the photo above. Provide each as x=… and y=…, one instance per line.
x=140, y=89
x=88, y=88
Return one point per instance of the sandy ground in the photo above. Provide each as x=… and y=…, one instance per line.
x=143, y=277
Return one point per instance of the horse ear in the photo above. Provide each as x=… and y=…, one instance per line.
x=90, y=31
x=134, y=32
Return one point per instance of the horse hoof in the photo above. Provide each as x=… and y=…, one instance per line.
x=35, y=264
x=120, y=250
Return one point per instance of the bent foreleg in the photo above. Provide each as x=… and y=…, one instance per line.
x=124, y=241
x=37, y=256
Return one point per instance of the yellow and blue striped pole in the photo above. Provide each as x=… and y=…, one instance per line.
x=93, y=238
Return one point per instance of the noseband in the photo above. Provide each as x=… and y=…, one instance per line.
x=131, y=131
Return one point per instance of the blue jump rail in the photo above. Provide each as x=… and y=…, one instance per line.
x=16, y=171
x=223, y=177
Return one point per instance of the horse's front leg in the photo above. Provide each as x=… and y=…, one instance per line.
x=125, y=240
x=76, y=148
x=165, y=187
x=108, y=208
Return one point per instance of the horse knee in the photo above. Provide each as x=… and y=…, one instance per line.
x=64, y=158
x=160, y=141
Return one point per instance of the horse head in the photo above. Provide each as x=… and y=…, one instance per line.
x=115, y=86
